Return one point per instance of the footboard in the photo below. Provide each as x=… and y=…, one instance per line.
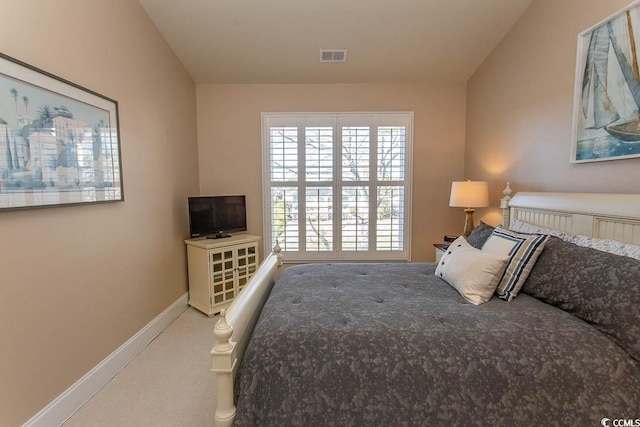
x=233, y=330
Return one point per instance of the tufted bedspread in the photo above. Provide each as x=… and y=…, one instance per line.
x=393, y=345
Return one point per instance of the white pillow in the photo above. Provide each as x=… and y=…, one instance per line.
x=604, y=245
x=522, y=250
x=473, y=273
x=524, y=227
x=608, y=245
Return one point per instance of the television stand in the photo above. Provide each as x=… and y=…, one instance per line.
x=219, y=270
x=219, y=236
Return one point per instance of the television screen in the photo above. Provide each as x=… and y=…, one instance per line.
x=213, y=216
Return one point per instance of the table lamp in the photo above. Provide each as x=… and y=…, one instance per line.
x=469, y=194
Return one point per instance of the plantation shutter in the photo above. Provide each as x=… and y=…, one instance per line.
x=337, y=186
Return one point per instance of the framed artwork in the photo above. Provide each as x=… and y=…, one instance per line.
x=607, y=93
x=59, y=142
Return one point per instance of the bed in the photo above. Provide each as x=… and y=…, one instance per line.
x=393, y=344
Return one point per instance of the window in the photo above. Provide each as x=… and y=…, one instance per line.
x=337, y=186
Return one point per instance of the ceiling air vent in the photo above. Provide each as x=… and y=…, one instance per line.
x=333, y=55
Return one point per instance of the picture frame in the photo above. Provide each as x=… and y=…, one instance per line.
x=59, y=142
x=606, y=120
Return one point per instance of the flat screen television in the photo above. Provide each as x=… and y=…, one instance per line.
x=215, y=216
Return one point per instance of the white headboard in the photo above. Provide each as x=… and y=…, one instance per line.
x=605, y=216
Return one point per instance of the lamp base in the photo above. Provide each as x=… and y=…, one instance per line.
x=468, y=225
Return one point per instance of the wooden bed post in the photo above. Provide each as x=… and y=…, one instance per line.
x=223, y=361
x=504, y=205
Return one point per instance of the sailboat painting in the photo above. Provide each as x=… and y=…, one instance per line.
x=607, y=94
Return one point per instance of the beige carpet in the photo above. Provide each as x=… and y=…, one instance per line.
x=168, y=384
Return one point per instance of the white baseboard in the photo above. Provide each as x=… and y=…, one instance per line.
x=65, y=405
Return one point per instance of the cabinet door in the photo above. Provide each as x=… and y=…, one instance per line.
x=222, y=276
x=246, y=262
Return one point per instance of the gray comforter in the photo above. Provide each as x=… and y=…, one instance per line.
x=393, y=345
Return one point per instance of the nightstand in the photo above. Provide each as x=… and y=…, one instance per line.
x=440, y=250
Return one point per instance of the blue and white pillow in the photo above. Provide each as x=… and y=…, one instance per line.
x=523, y=251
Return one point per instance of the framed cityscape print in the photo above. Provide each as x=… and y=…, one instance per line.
x=607, y=93
x=59, y=142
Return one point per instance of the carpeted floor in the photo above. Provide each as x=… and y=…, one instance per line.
x=168, y=384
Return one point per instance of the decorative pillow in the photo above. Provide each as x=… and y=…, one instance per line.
x=606, y=245
x=523, y=251
x=473, y=273
x=479, y=235
x=600, y=288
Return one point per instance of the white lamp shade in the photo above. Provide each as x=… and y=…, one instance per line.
x=469, y=194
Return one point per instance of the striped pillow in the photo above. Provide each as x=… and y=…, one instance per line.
x=523, y=251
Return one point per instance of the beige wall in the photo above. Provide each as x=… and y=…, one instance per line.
x=520, y=106
x=229, y=123
x=77, y=282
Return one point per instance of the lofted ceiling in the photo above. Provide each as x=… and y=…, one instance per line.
x=278, y=41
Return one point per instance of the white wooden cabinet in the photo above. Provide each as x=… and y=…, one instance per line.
x=219, y=269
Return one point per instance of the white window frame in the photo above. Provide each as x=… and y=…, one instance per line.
x=340, y=119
